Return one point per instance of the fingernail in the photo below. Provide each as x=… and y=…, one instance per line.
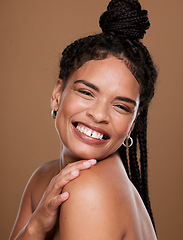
x=86, y=164
x=65, y=195
x=93, y=161
x=74, y=172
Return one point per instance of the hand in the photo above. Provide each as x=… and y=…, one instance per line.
x=46, y=213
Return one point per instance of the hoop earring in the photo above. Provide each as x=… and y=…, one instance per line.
x=131, y=142
x=53, y=113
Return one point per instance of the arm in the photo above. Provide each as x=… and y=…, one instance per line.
x=35, y=225
x=91, y=211
x=25, y=210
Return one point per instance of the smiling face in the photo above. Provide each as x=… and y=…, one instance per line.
x=97, y=109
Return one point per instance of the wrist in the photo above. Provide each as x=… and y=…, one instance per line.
x=33, y=230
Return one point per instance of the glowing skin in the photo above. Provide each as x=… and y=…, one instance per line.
x=97, y=110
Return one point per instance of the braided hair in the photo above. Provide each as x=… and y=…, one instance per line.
x=123, y=25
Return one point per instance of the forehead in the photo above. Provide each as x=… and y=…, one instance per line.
x=110, y=74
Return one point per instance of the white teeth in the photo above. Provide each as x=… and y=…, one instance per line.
x=89, y=133
x=95, y=135
x=78, y=128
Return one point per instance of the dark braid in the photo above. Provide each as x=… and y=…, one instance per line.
x=142, y=138
x=134, y=166
x=125, y=18
x=123, y=25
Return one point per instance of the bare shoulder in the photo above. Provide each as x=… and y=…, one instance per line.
x=47, y=169
x=43, y=173
x=33, y=193
x=104, y=200
x=41, y=178
x=95, y=200
x=104, y=179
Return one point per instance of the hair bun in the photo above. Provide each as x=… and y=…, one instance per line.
x=125, y=18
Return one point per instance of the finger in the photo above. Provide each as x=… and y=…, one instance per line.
x=68, y=174
x=61, y=182
x=74, y=169
x=56, y=201
x=80, y=165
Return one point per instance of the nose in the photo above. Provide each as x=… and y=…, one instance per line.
x=98, y=112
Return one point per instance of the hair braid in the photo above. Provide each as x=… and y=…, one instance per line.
x=134, y=166
x=125, y=18
x=142, y=138
x=73, y=57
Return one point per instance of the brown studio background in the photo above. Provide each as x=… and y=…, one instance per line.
x=33, y=34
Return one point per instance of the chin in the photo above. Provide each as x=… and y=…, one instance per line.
x=91, y=154
x=86, y=154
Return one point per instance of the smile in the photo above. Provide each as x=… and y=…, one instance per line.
x=89, y=132
x=86, y=130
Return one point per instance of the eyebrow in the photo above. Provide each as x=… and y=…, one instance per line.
x=88, y=84
x=125, y=99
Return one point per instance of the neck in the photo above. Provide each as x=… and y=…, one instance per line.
x=66, y=157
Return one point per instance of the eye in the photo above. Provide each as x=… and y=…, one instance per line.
x=84, y=92
x=122, y=108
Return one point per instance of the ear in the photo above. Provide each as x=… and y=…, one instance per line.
x=131, y=129
x=56, y=95
x=133, y=124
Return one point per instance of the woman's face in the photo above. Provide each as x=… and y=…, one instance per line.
x=97, y=110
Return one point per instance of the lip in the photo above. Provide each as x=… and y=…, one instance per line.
x=95, y=128
x=88, y=139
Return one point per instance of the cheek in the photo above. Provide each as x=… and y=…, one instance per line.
x=70, y=106
x=122, y=126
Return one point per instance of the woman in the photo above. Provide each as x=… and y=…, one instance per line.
x=100, y=105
